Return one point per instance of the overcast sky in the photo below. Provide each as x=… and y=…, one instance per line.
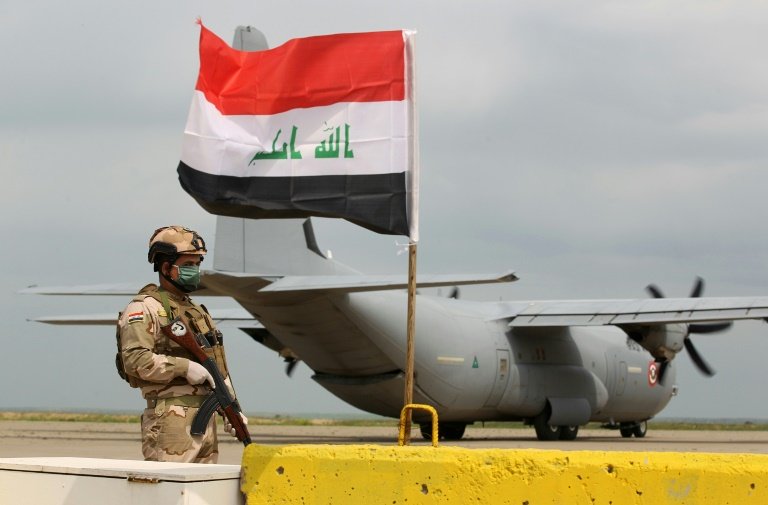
x=593, y=147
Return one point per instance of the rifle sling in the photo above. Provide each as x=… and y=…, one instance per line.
x=166, y=304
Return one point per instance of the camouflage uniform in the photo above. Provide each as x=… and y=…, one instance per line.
x=158, y=366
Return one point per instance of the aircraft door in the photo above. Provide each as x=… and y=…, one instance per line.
x=616, y=374
x=621, y=377
x=502, y=377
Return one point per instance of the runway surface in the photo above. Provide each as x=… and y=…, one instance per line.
x=122, y=440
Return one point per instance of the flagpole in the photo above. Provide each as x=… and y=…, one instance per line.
x=410, y=348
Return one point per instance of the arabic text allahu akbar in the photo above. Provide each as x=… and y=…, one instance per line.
x=326, y=149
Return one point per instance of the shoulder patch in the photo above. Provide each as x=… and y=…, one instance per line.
x=135, y=317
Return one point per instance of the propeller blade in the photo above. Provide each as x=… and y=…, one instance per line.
x=291, y=366
x=698, y=288
x=663, y=370
x=697, y=359
x=654, y=291
x=709, y=327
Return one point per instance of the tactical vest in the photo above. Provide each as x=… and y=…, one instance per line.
x=200, y=324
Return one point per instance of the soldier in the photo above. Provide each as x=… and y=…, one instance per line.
x=171, y=381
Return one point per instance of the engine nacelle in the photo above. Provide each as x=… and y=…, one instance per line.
x=662, y=341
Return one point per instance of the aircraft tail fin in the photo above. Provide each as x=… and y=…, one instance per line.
x=271, y=247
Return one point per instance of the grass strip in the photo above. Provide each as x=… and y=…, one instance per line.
x=280, y=420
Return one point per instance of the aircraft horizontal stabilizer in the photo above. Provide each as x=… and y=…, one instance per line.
x=81, y=320
x=641, y=312
x=125, y=289
x=121, y=289
x=239, y=316
x=357, y=283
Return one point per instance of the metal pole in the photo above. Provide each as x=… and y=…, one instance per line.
x=410, y=350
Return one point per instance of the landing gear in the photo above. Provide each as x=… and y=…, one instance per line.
x=451, y=431
x=445, y=431
x=568, y=432
x=638, y=429
x=549, y=432
x=544, y=430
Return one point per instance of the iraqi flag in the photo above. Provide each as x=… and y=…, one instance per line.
x=320, y=126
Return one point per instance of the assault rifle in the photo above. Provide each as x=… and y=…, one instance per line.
x=178, y=331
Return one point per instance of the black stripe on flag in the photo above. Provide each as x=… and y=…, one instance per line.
x=376, y=202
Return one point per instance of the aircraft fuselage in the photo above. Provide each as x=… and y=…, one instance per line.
x=469, y=365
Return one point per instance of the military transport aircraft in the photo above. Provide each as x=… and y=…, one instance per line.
x=554, y=364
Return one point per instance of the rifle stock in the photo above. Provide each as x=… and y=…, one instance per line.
x=178, y=331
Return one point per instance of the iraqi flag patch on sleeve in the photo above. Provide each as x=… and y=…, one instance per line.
x=135, y=317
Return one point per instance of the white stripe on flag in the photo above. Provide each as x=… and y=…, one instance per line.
x=226, y=145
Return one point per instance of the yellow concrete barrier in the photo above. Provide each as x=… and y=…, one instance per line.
x=368, y=474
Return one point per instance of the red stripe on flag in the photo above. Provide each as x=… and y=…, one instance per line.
x=302, y=73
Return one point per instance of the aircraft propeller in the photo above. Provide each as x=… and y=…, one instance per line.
x=701, y=328
x=290, y=365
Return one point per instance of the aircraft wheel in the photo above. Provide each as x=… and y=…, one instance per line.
x=451, y=431
x=445, y=431
x=544, y=430
x=568, y=432
x=640, y=429
x=626, y=432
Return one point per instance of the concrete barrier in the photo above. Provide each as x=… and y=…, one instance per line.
x=333, y=474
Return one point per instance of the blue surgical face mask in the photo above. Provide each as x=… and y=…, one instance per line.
x=189, y=276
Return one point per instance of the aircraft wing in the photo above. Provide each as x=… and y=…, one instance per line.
x=649, y=311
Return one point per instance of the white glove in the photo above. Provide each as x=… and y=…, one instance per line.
x=228, y=427
x=197, y=374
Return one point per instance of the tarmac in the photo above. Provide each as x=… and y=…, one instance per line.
x=123, y=440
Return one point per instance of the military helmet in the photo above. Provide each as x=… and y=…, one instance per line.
x=172, y=241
